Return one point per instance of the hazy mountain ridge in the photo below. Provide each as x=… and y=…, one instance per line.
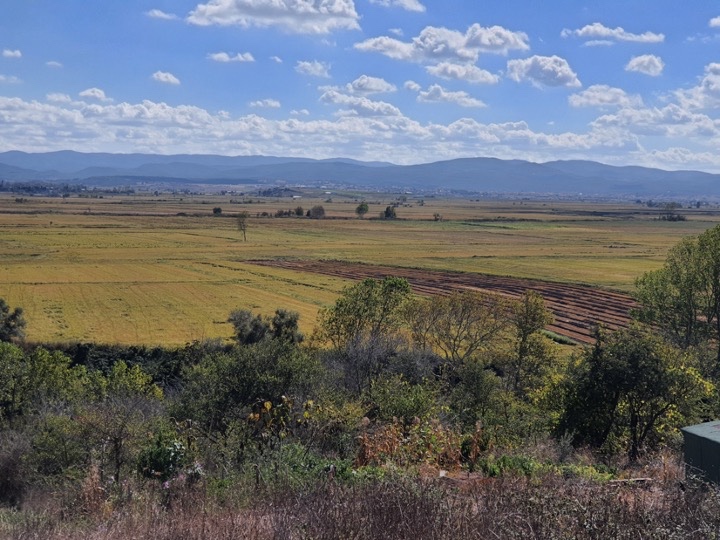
x=468, y=174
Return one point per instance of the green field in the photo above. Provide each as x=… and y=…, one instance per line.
x=131, y=270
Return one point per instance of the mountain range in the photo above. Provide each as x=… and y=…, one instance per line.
x=476, y=175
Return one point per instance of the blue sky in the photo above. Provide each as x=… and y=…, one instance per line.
x=406, y=81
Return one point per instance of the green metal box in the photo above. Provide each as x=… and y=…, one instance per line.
x=702, y=449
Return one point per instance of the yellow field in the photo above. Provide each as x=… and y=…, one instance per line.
x=129, y=269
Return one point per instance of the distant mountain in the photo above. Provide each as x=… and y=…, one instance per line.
x=468, y=174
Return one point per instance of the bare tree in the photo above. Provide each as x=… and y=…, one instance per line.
x=242, y=219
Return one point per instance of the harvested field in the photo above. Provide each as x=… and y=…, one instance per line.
x=577, y=309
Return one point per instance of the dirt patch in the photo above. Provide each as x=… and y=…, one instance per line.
x=578, y=309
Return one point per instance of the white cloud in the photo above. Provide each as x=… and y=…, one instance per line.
x=600, y=31
x=436, y=44
x=370, y=130
x=714, y=22
x=396, y=31
x=276, y=59
x=314, y=68
x=227, y=57
x=462, y=72
x=266, y=104
x=95, y=93
x=301, y=112
x=165, y=77
x=603, y=96
x=598, y=43
x=297, y=16
x=412, y=86
x=58, y=98
x=437, y=94
x=53, y=64
x=648, y=64
x=409, y=5
x=359, y=105
x=543, y=71
x=706, y=94
x=158, y=14
x=366, y=85
x=9, y=79
x=7, y=53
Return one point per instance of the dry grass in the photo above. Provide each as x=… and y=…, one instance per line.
x=399, y=508
x=130, y=270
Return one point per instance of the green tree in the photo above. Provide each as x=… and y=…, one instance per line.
x=532, y=353
x=316, y=212
x=368, y=309
x=12, y=323
x=629, y=388
x=683, y=297
x=389, y=213
x=248, y=328
x=362, y=209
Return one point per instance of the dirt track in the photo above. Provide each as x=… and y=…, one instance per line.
x=578, y=309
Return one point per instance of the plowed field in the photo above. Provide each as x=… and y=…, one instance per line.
x=577, y=309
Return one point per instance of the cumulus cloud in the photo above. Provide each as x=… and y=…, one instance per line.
x=647, y=64
x=9, y=79
x=301, y=112
x=266, y=104
x=314, y=68
x=359, y=105
x=95, y=93
x=370, y=130
x=8, y=53
x=396, y=31
x=714, y=22
x=409, y=5
x=158, y=14
x=704, y=95
x=412, y=86
x=303, y=17
x=600, y=31
x=53, y=64
x=437, y=44
x=604, y=96
x=276, y=59
x=366, y=85
x=543, y=71
x=437, y=94
x=227, y=57
x=165, y=77
x=462, y=72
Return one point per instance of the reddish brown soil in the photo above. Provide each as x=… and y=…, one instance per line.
x=578, y=309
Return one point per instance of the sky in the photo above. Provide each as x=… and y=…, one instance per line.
x=631, y=82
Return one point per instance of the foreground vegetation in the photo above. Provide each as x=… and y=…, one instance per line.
x=399, y=416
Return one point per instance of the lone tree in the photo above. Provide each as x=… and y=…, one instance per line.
x=12, y=323
x=362, y=209
x=389, y=213
x=242, y=219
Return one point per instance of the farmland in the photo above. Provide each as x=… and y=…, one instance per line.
x=163, y=269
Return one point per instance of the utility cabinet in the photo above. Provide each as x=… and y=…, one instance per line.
x=702, y=449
